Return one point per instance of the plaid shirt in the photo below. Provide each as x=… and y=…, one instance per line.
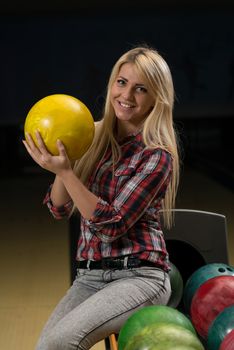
x=126, y=218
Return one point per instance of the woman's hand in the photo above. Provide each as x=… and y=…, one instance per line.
x=67, y=185
x=55, y=164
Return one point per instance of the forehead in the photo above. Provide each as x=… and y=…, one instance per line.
x=130, y=72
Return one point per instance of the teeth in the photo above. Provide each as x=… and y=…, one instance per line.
x=125, y=105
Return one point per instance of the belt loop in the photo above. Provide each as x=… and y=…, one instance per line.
x=125, y=262
x=88, y=264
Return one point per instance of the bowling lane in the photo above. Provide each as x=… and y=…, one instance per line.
x=34, y=265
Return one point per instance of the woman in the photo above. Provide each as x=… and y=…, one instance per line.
x=119, y=186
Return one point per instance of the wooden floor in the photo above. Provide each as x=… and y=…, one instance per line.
x=34, y=251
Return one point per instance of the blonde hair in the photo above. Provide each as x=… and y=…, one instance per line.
x=158, y=129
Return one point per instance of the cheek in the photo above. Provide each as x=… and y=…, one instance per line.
x=151, y=102
x=112, y=95
x=112, y=101
x=148, y=105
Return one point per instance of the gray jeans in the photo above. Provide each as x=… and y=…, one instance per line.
x=99, y=302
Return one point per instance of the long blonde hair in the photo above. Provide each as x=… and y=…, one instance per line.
x=158, y=129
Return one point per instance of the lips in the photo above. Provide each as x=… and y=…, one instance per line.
x=126, y=105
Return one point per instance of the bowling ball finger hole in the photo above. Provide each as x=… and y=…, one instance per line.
x=221, y=270
x=230, y=269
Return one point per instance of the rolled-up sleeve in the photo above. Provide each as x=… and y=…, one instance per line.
x=148, y=183
x=58, y=212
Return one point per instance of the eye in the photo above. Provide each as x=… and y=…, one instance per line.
x=141, y=89
x=121, y=82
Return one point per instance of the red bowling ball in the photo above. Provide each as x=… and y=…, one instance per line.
x=209, y=300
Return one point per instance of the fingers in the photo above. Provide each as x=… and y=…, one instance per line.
x=39, y=147
x=29, y=140
x=38, y=150
x=30, y=150
x=26, y=146
x=44, y=158
x=29, y=144
x=40, y=142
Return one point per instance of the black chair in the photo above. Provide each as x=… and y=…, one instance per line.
x=196, y=238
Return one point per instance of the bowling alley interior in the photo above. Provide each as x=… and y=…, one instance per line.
x=53, y=47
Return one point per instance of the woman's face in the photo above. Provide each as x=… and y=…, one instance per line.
x=130, y=98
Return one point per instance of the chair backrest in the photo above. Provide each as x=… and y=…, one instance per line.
x=196, y=238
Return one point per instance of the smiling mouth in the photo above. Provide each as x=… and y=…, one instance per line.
x=126, y=105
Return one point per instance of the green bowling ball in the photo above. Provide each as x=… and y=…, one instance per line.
x=177, y=286
x=164, y=336
x=150, y=315
x=220, y=328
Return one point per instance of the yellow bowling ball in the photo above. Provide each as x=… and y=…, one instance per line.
x=65, y=118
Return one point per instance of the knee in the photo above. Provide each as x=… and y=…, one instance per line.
x=60, y=341
x=54, y=341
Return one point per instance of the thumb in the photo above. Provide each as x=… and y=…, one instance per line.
x=61, y=148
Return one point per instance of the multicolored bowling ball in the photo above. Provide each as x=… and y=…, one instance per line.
x=200, y=276
x=211, y=298
x=177, y=286
x=221, y=331
x=149, y=315
x=164, y=336
x=61, y=117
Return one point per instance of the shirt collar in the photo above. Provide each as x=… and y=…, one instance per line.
x=137, y=135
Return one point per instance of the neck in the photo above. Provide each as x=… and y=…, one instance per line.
x=126, y=129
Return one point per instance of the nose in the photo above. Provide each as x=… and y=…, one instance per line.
x=127, y=93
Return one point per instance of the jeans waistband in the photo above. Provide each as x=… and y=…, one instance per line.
x=115, y=263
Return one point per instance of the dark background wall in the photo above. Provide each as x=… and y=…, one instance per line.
x=70, y=47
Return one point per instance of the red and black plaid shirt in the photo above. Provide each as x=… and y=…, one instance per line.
x=126, y=219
